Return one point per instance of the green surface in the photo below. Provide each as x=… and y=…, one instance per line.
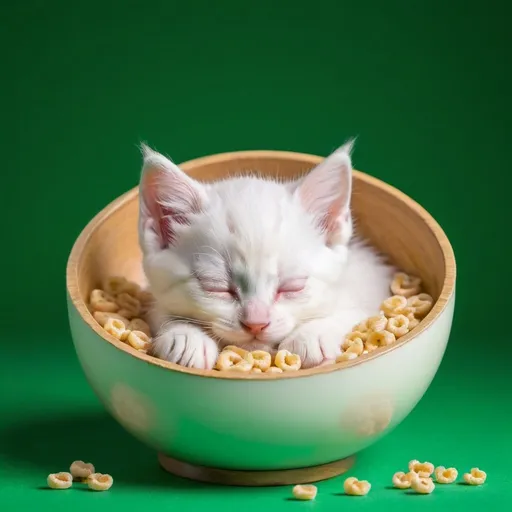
x=425, y=85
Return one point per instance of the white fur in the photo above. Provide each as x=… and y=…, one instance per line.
x=268, y=232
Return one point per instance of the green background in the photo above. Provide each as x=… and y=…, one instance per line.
x=426, y=87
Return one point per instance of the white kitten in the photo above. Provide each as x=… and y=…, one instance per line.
x=255, y=262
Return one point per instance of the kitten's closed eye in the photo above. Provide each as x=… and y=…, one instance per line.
x=220, y=289
x=290, y=287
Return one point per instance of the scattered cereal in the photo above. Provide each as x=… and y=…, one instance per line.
x=100, y=482
x=355, y=487
x=475, y=477
x=304, y=492
x=80, y=470
x=61, y=480
x=445, y=475
x=402, y=480
x=422, y=484
x=423, y=469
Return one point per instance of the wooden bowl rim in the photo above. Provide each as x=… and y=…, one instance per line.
x=80, y=243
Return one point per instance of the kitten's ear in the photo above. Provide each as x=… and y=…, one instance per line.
x=325, y=193
x=167, y=199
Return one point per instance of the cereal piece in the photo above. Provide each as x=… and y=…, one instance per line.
x=138, y=340
x=61, y=480
x=346, y=356
x=229, y=360
x=354, y=338
x=256, y=370
x=304, y=492
x=398, y=325
x=133, y=289
x=145, y=296
x=128, y=313
x=274, y=369
x=101, y=317
x=146, y=300
x=405, y=285
x=100, y=482
x=262, y=359
x=80, y=470
x=355, y=487
x=422, y=484
x=423, y=469
x=377, y=323
x=413, y=321
x=287, y=361
x=475, y=477
x=238, y=350
x=402, y=480
x=393, y=305
x=115, y=285
x=362, y=327
x=421, y=303
x=445, y=476
x=379, y=339
x=137, y=324
x=354, y=344
x=116, y=328
x=127, y=303
x=101, y=301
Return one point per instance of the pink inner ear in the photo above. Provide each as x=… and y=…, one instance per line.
x=325, y=193
x=158, y=188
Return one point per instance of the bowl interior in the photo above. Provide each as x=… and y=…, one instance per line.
x=393, y=222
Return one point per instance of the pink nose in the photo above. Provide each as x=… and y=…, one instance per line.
x=254, y=328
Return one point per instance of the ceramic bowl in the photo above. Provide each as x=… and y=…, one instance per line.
x=260, y=422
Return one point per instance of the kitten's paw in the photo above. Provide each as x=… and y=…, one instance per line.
x=186, y=345
x=315, y=342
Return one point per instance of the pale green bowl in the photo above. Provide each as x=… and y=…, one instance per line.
x=258, y=421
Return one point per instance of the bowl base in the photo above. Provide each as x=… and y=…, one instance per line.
x=255, y=478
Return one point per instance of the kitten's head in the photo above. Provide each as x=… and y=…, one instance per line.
x=247, y=258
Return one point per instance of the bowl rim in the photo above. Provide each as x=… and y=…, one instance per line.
x=439, y=306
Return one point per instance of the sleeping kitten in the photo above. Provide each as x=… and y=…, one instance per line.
x=255, y=262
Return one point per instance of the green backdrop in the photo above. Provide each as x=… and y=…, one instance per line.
x=426, y=87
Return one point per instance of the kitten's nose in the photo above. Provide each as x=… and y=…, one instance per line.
x=254, y=328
